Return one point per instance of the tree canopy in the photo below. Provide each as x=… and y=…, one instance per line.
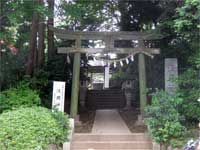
x=27, y=45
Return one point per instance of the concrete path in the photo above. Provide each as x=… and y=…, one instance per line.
x=109, y=121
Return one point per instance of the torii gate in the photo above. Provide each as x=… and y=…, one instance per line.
x=109, y=39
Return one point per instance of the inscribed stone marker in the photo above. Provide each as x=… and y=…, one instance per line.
x=171, y=73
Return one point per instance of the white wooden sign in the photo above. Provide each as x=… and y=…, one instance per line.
x=58, y=95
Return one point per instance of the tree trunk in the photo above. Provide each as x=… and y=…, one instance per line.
x=41, y=46
x=32, y=45
x=51, y=50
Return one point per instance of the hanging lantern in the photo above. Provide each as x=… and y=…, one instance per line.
x=121, y=63
x=68, y=59
x=127, y=61
x=132, y=58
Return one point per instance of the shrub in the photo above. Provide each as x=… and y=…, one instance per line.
x=32, y=129
x=189, y=87
x=163, y=118
x=40, y=83
x=21, y=96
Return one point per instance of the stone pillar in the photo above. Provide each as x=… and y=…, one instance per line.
x=128, y=87
x=75, y=85
x=171, y=73
x=128, y=95
x=107, y=76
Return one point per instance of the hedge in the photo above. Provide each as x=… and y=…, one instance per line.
x=32, y=129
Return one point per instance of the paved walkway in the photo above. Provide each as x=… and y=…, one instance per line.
x=109, y=121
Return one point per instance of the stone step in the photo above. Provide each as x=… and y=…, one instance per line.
x=111, y=137
x=105, y=99
x=106, y=95
x=109, y=149
x=111, y=145
x=105, y=91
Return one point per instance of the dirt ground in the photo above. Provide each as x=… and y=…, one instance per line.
x=130, y=117
x=86, y=122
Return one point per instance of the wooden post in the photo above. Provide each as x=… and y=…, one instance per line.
x=142, y=78
x=75, y=85
x=142, y=82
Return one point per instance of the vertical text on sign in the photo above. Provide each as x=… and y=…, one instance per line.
x=171, y=73
x=58, y=95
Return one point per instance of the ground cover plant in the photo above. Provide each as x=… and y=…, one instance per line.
x=20, y=96
x=32, y=129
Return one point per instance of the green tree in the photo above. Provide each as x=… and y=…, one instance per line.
x=187, y=25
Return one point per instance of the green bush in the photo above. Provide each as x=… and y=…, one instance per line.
x=189, y=87
x=40, y=83
x=32, y=129
x=163, y=118
x=21, y=96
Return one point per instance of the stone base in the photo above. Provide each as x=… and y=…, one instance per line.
x=140, y=121
x=51, y=147
x=128, y=108
x=82, y=103
x=156, y=146
x=77, y=120
x=66, y=146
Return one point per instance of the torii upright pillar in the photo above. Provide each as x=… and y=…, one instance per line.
x=142, y=78
x=142, y=83
x=75, y=85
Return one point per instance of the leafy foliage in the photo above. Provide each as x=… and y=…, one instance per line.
x=189, y=84
x=21, y=96
x=12, y=65
x=40, y=83
x=16, y=14
x=15, y=18
x=187, y=25
x=188, y=18
x=138, y=15
x=32, y=128
x=163, y=118
x=83, y=15
x=120, y=75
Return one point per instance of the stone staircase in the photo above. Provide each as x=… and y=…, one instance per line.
x=105, y=99
x=137, y=141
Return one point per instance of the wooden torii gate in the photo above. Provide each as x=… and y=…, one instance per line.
x=109, y=38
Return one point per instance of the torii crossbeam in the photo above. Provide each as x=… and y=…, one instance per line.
x=108, y=37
